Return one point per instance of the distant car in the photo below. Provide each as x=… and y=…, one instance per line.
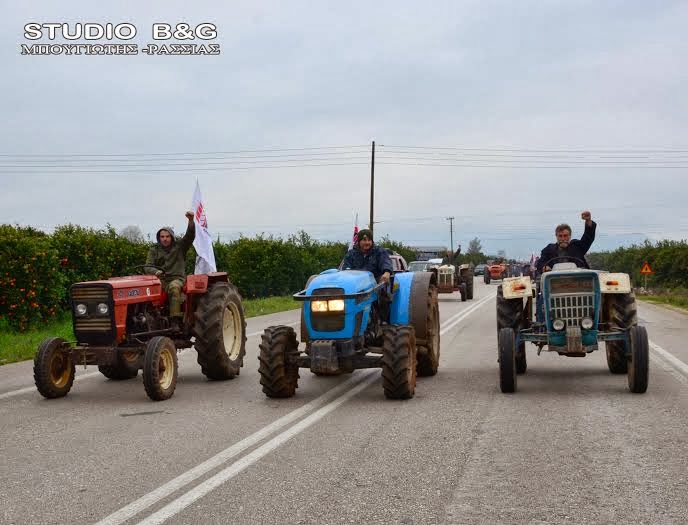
x=418, y=266
x=479, y=269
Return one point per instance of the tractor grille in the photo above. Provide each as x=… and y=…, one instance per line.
x=97, y=295
x=572, y=308
x=445, y=277
x=93, y=328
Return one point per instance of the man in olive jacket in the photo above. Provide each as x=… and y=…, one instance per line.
x=170, y=255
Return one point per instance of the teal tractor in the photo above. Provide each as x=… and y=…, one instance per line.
x=577, y=308
x=349, y=321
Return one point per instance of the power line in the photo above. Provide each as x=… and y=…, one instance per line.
x=543, y=150
x=175, y=153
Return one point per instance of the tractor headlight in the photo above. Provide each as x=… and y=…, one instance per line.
x=558, y=324
x=586, y=323
x=318, y=306
x=80, y=309
x=335, y=305
x=102, y=308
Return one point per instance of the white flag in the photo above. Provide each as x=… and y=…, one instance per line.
x=203, y=243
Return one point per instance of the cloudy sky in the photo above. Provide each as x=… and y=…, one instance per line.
x=509, y=116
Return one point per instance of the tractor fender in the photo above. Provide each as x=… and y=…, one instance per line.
x=410, y=304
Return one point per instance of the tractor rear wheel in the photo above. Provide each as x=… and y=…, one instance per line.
x=127, y=367
x=468, y=277
x=510, y=315
x=429, y=360
x=621, y=313
x=53, y=369
x=220, y=330
x=507, y=360
x=279, y=369
x=160, y=368
x=638, y=368
x=399, y=362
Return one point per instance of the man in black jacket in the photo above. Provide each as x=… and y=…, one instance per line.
x=567, y=250
x=365, y=255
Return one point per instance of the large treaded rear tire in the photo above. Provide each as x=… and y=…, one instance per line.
x=53, y=369
x=220, y=330
x=622, y=313
x=429, y=361
x=469, y=275
x=126, y=368
x=399, y=362
x=279, y=370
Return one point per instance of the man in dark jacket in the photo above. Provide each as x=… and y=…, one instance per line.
x=366, y=255
x=570, y=250
x=170, y=255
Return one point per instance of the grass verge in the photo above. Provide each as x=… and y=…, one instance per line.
x=21, y=346
x=677, y=301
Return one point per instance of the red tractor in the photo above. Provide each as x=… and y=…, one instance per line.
x=495, y=270
x=123, y=324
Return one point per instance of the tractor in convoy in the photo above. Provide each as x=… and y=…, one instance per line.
x=123, y=325
x=349, y=321
x=451, y=278
x=575, y=310
x=495, y=270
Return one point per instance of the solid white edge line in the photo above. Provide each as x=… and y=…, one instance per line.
x=27, y=389
x=177, y=483
x=235, y=468
x=669, y=358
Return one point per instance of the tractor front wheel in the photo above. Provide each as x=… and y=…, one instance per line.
x=638, y=368
x=53, y=369
x=279, y=369
x=399, y=362
x=507, y=360
x=160, y=368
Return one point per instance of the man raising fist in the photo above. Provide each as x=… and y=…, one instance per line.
x=567, y=250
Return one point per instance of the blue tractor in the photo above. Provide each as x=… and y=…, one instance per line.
x=576, y=309
x=349, y=321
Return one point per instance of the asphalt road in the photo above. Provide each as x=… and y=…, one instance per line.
x=573, y=445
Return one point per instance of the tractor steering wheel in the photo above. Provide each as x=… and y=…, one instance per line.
x=130, y=269
x=566, y=258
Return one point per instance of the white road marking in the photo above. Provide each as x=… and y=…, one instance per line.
x=456, y=319
x=361, y=381
x=673, y=363
x=33, y=388
x=222, y=457
x=235, y=468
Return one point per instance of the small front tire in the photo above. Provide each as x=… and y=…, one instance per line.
x=53, y=369
x=160, y=368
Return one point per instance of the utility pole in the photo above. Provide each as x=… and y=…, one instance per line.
x=372, y=187
x=451, y=233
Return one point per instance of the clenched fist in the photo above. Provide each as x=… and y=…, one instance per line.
x=586, y=216
x=190, y=215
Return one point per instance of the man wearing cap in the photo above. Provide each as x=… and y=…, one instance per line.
x=170, y=255
x=366, y=255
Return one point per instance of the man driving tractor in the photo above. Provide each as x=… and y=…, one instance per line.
x=567, y=250
x=366, y=255
x=170, y=255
